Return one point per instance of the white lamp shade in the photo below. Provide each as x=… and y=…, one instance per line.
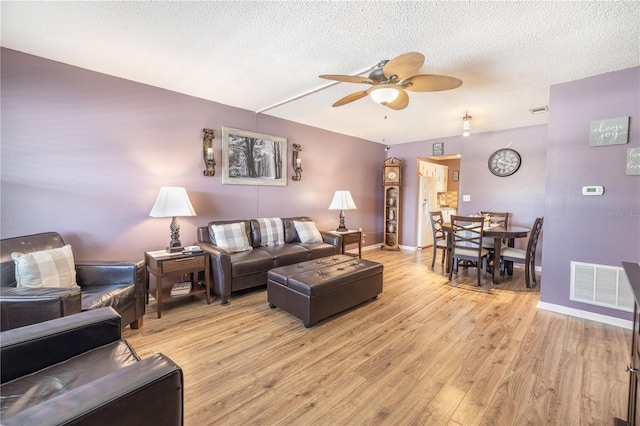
x=342, y=201
x=384, y=95
x=172, y=201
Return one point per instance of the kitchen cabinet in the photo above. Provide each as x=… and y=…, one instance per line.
x=442, y=174
x=437, y=171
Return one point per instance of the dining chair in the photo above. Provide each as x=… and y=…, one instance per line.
x=499, y=218
x=439, y=236
x=467, y=244
x=526, y=257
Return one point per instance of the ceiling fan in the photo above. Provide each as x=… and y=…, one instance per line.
x=392, y=78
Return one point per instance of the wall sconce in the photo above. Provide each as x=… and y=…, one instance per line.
x=207, y=152
x=297, y=162
x=466, y=124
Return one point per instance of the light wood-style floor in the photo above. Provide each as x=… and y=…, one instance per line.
x=426, y=352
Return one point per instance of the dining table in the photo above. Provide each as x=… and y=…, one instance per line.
x=498, y=233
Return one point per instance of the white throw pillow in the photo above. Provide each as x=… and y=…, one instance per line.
x=307, y=232
x=46, y=268
x=271, y=231
x=231, y=237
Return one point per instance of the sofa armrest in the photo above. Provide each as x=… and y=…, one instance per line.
x=101, y=273
x=25, y=306
x=148, y=392
x=90, y=274
x=34, y=347
x=332, y=238
x=220, y=265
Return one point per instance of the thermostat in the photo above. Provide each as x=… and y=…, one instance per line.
x=592, y=190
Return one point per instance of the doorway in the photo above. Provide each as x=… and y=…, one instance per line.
x=438, y=188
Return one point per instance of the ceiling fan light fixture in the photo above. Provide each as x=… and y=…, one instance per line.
x=466, y=124
x=384, y=93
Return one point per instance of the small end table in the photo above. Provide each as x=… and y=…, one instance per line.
x=162, y=265
x=350, y=237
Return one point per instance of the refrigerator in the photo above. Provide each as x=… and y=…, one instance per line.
x=427, y=201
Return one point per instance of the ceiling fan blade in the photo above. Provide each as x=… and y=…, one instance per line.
x=404, y=66
x=350, y=98
x=431, y=83
x=401, y=102
x=347, y=78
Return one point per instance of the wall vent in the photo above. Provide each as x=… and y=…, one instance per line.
x=601, y=285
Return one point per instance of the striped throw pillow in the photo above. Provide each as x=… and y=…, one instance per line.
x=307, y=232
x=45, y=268
x=271, y=231
x=231, y=237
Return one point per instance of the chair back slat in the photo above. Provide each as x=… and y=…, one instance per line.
x=467, y=231
x=500, y=218
x=436, y=225
x=533, y=238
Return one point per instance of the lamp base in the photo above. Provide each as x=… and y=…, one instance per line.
x=174, y=249
x=343, y=229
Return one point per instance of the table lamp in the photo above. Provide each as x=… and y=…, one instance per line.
x=342, y=201
x=172, y=202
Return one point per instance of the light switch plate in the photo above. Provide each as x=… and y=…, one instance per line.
x=466, y=198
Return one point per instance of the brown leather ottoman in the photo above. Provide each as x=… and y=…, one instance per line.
x=317, y=289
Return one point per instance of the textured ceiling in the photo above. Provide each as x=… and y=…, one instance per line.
x=253, y=55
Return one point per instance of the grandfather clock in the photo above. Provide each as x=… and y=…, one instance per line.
x=392, y=172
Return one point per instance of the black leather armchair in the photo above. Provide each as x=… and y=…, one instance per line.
x=78, y=370
x=120, y=285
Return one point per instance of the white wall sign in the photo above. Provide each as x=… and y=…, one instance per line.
x=633, y=161
x=613, y=131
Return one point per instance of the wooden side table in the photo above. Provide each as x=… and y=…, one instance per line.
x=351, y=237
x=163, y=265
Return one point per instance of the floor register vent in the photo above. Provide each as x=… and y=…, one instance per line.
x=601, y=285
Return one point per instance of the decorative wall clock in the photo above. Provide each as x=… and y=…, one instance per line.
x=504, y=162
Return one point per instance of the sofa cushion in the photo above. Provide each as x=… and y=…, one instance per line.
x=45, y=268
x=250, y=262
x=232, y=237
x=271, y=231
x=307, y=232
x=117, y=296
x=290, y=234
x=287, y=254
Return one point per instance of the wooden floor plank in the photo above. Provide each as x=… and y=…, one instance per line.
x=427, y=351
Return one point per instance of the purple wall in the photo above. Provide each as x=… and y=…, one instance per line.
x=602, y=229
x=85, y=154
x=522, y=194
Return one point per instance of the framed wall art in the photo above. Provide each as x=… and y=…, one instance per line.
x=250, y=158
x=613, y=131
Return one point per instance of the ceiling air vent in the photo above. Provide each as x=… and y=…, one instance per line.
x=539, y=110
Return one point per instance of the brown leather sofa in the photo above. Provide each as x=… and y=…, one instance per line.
x=78, y=370
x=120, y=285
x=237, y=271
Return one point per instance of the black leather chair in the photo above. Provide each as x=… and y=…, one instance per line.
x=78, y=370
x=120, y=285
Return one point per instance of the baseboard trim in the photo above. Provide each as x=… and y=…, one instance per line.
x=605, y=319
x=365, y=248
